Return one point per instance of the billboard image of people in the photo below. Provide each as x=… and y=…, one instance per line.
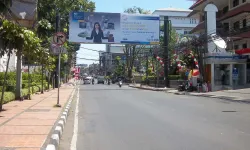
x=108, y=28
x=86, y=27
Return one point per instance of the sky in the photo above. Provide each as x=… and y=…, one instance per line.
x=118, y=6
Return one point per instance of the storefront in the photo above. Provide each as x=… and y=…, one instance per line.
x=219, y=68
x=246, y=51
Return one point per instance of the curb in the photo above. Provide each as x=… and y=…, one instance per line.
x=151, y=89
x=227, y=98
x=54, y=140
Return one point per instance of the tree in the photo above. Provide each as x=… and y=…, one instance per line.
x=118, y=66
x=132, y=51
x=47, y=11
x=17, y=38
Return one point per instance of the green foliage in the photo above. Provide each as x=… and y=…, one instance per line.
x=135, y=10
x=8, y=97
x=12, y=36
x=171, y=77
x=118, y=66
x=5, y=5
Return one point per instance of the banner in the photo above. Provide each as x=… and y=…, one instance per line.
x=110, y=28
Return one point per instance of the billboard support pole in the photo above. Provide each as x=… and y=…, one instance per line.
x=166, y=43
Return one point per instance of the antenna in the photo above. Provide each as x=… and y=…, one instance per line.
x=218, y=41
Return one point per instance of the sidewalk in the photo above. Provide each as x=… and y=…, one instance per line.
x=25, y=125
x=240, y=95
x=145, y=87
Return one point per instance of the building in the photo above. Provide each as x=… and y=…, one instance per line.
x=180, y=22
x=231, y=21
x=24, y=13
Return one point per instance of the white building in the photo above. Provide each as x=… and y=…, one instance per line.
x=180, y=22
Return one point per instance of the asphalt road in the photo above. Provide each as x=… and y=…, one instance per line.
x=113, y=118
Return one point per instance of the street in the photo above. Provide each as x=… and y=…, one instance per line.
x=113, y=118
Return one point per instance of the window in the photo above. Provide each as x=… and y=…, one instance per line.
x=244, y=23
x=244, y=45
x=236, y=47
x=243, y=1
x=226, y=26
x=225, y=10
x=235, y=3
x=186, y=32
x=236, y=25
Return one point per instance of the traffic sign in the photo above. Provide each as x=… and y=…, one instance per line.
x=59, y=38
x=57, y=49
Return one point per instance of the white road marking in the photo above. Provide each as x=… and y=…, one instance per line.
x=75, y=132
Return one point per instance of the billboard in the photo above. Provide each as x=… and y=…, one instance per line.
x=110, y=28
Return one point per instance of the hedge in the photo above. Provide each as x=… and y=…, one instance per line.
x=8, y=97
x=171, y=77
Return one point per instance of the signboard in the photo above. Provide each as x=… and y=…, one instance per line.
x=235, y=74
x=57, y=49
x=59, y=38
x=107, y=28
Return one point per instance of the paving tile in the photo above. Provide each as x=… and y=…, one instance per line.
x=27, y=149
x=24, y=129
x=22, y=140
x=31, y=122
x=37, y=116
x=4, y=116
x=3, y=120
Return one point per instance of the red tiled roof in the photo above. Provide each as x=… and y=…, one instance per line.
x=200, y=26
x=192, y=13
x=198, y=2
x=236, y=11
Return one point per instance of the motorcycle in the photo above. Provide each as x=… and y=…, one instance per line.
x=120, y=83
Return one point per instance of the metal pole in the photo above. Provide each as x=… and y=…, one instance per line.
x=42, y=78
x=59, y=66
x=166, y=42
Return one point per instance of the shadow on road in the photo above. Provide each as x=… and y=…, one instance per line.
x=94, y=89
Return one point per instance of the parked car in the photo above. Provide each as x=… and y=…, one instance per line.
x=100, y=79
x=87, y=80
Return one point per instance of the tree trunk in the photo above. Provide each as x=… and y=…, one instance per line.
x=19, y=75
x=4, y=83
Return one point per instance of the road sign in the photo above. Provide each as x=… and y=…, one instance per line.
x=57, y=49
x=59, y=38
x=235, y=74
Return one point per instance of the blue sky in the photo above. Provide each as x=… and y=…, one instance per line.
x=118, y=6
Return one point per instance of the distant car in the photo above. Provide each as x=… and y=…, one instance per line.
x=87, y=80
x=100, y=79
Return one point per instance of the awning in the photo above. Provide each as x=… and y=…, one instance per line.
x=243, y=51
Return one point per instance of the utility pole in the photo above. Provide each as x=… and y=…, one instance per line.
x=166, y=43
x=59, y=59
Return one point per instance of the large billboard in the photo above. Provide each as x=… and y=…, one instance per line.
x=110, y=28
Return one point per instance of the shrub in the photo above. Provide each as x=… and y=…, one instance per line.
x=10, y=88
x=171, y=77
x=174, y=77
x=8, y=96
x=24, y=92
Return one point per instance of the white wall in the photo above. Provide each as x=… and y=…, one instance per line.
x=12, y=63
x=180, y=22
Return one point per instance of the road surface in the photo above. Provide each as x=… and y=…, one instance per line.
x=113, y=118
